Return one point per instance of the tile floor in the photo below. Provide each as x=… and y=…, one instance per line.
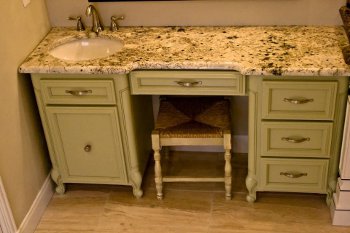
x=187, y=207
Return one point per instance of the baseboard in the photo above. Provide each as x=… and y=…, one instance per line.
x=339, y=217
x=38, y=207
x=239, y=145
x=7, y=223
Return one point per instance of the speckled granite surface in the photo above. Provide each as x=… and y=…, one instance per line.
x=345, y=15
x=289, y=50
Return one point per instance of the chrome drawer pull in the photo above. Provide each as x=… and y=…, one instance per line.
x=297, y=101
x=293, y=174
x=87, y=148
x=189, y=83
x=79, y=92
x=295, y=140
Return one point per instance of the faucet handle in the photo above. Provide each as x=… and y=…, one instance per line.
x=80, y=25
x=114, y=23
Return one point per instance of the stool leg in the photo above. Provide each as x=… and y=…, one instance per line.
x=228, y=167
x=158, y=175
x=157, y=166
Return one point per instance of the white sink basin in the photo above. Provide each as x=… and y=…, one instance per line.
x=86, y=49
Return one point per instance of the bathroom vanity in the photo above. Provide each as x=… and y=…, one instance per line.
x=94, y=129
x=97, y=115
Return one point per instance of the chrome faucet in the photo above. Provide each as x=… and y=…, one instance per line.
x=96, y=22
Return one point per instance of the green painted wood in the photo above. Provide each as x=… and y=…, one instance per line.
x=111, y=117
x=89, y=143
x=134, y=116
x=266, y=128
x=78, y=91
x=296, y=139
x=136, y=120
x=294, y=175
x=199, y=83
x=337, y=135
x=316, y=99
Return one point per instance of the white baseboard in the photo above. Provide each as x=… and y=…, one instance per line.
x=339, y=217
x=7, y=223
x=38, y=207
x=239, y=145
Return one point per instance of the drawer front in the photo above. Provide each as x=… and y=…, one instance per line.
x=78, y=91
x=88, y=144
x=296, y=139
x=187, y=83
x=293, y=175
x=304, y=100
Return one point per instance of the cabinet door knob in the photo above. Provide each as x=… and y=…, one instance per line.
x=87, y=148
x=293, y=174
x=189, y=83
x=297, y=100
x=295, y=140
x=79, y=92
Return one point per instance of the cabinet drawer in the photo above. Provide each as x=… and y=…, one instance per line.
x=187, y=82
x=78, y=91
x=294, y=175
x=307, y=100
x=88, y=142
x=296, y=139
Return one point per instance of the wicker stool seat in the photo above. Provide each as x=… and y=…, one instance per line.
x=192, y=121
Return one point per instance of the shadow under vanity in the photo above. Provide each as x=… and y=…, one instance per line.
x=97, y=114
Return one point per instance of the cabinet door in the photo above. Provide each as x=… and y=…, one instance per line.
x=88, y=144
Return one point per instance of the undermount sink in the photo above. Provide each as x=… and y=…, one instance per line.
x=86, y=49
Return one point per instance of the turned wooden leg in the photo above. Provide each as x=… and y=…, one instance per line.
x=56, y=177
x=136, y=181
x=228, y=167
x=157, y=166
x=158, y=175
x=251, y=186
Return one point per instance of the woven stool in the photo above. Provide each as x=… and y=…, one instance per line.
x=192, y=121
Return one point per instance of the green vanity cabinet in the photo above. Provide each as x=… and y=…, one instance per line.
x=98, y=127
x=295, y=131
x=95, y=130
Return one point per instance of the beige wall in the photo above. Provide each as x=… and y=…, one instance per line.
x=23, y=161
x=214, y=12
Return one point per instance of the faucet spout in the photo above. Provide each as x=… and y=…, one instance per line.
x=97, y=26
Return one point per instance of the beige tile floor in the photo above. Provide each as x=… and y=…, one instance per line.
x=187, y=207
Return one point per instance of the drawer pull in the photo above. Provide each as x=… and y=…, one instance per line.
x=295, y=140
x=297, y=101
x=87, y=148
x=293, y=174
x=189, y=83
x=79, y=92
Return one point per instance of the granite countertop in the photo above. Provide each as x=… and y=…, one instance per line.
x=267, y=50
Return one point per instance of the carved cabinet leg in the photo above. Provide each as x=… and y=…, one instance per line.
x=56, y=177
x=251, y=186
x=136, y=181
